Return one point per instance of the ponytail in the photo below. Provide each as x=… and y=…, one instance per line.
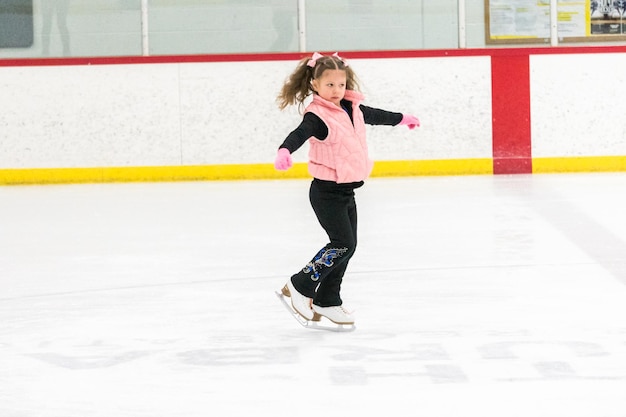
x=298, y=87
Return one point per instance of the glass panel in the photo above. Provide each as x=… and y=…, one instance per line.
x=16, y=23
x=475, y=23
x=381, y=24
x=220, y=26
x=66, y=28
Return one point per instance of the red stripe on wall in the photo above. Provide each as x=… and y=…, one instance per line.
x=294, y=56
x=510, y=97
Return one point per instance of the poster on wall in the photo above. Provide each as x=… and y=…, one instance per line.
x=608, y=17
x=528, y=21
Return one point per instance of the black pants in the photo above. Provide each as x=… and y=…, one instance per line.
x=335, y=208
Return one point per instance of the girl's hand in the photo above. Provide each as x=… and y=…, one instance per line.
x=283, y=160
x=411, y=121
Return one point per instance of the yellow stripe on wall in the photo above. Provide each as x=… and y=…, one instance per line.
x=478, y=166
x=436, y=167
x=228, y=172
x=579, y=164
x=145, y=174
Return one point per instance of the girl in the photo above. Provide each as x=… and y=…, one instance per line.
x=334, y=124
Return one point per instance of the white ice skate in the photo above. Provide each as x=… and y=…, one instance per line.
x=300, y=303
x=316, y=319
x=336, y=314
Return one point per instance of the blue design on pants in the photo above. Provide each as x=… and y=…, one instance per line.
x=324, y=257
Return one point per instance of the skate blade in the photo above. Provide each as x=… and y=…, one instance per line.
x=314, y=324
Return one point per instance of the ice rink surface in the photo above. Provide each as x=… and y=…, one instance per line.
x=474, y=296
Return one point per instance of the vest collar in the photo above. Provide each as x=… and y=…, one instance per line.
x=352, y=96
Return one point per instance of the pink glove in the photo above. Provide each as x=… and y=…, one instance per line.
x=283, y=160
x=411, y=121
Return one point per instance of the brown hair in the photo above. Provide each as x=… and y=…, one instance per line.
x=298, y=87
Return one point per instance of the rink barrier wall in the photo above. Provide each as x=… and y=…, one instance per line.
x=171, y=118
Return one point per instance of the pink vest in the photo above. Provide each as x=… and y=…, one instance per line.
x=342, y=157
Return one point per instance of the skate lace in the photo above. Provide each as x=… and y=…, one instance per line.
x=343, y=310
x=339, y=309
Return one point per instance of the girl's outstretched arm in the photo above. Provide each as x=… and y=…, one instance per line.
x=374, y=116
x=311, y=125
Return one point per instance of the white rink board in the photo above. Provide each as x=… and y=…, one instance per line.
x=225, y=113
x=181, y=114
x=576, y=105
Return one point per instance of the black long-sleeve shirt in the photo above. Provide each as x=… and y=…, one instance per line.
x=312, y=125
